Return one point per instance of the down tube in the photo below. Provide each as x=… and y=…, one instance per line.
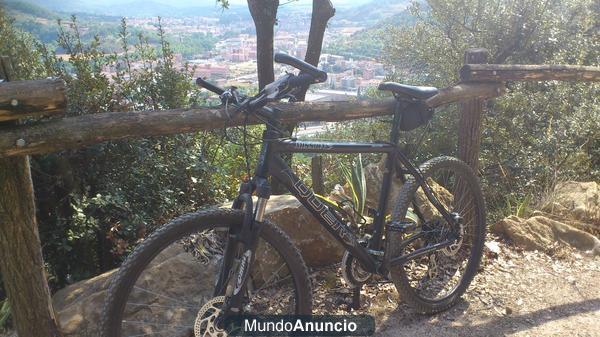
x=279, y=169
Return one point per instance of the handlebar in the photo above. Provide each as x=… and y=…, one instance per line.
x=278, y=89
x=209, y=86
x=318, y=75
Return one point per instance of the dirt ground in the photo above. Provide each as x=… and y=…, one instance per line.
x=516, y=293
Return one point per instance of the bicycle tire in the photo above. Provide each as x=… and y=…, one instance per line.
x=405, y=198
x=124, y=280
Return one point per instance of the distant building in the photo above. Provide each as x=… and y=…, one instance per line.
x=239, y=49
x=208, y=70
x=348, y=82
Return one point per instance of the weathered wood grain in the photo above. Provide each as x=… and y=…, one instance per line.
x=518, y=72
x=465, y=91
x=80, y=131
x=21, y=261
x=21, y=99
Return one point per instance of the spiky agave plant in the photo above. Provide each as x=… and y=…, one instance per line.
x=350, y=205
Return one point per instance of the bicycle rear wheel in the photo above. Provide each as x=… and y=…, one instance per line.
x=166, y=286
x=434, y=282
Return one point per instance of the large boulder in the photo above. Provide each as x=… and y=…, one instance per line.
x=541, y=233
x=174, y=274
x=79, y=305
x=374, y=178
x=576, y=200
x=178, y=273
x=317, y=246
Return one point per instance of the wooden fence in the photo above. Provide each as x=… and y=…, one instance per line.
x=21, y=263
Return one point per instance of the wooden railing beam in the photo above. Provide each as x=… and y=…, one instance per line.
x=20, y=99
x=80, y=131
x=522, y=72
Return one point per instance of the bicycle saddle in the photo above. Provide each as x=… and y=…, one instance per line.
x=408, y=90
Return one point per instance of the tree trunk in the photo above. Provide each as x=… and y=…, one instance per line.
x=469, y=127
x=264, y=15
x=321, y=13
x=316, y=167
x=21, y=264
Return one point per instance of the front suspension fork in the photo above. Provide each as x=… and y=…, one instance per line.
x=241, y=246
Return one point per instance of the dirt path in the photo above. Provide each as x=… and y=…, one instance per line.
x=516, y=294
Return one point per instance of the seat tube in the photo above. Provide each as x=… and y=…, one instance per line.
x=386, y=181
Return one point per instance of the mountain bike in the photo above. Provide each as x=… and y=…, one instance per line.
x=191, y=273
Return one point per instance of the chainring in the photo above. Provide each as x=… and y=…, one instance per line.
x=352, y=272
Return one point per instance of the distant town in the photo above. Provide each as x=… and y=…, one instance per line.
x=233, y=60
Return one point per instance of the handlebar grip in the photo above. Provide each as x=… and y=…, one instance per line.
x=209, y=86
x=317, y=74
x=302, y=80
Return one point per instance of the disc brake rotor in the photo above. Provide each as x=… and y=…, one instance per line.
x=205, y=325
x=455, y=247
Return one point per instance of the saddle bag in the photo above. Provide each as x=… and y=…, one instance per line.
x=414, y=114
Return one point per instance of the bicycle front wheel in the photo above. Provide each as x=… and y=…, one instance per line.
x=166, y=286
x=434, y=282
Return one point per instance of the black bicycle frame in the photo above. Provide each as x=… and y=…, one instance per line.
x=270, y=163
x=243, y=239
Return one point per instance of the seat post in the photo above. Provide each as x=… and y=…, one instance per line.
x=398, y=111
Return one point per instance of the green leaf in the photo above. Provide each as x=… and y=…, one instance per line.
x=4, y=312
x=412, y=216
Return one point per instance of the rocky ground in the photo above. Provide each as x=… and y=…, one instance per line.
x=516, y=293
x=542, y=281
x=540, y=276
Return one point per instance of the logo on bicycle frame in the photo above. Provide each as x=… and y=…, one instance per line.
x=307, y=194
x=311, y=146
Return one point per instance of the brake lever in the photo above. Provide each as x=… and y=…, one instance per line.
x=231, y=95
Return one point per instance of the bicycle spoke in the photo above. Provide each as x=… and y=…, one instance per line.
x=157, y=305
x=158, y=332
x=272, y=276
x=163, y=296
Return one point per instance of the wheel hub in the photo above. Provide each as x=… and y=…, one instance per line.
x=206, y=321
x=455, y=247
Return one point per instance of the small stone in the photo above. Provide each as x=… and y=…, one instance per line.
x=21, y=142
x=14, y=102
x=493, y=247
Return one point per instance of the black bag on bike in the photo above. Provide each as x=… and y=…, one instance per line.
x=414, y=114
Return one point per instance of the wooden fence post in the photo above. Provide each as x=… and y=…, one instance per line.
x=316, y=173
x=471, y=110
x=21, y=262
